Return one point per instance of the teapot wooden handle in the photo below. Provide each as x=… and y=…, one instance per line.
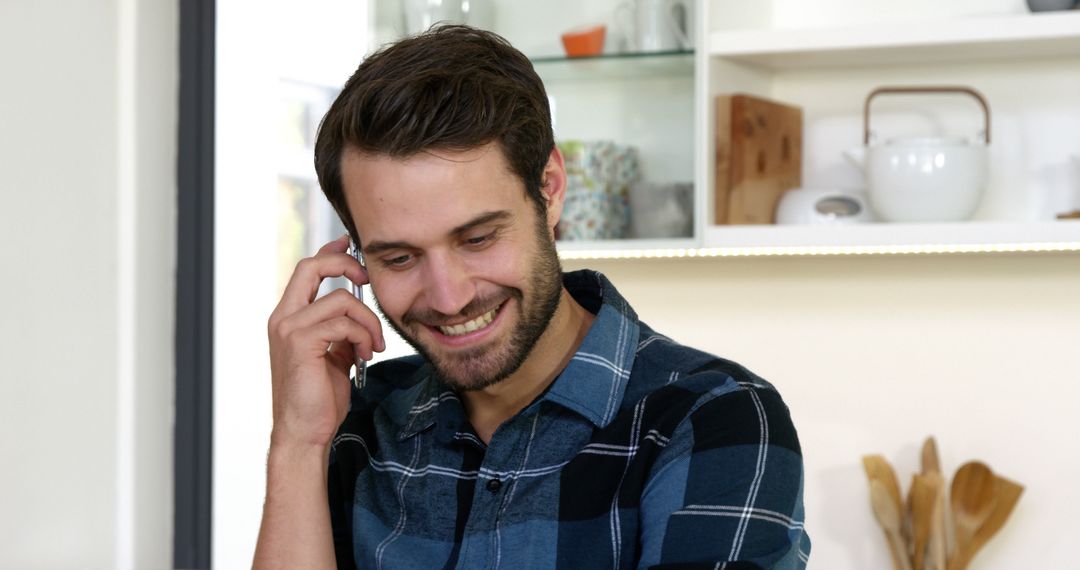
x=923, y=90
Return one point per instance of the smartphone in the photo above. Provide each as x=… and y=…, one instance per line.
x=358, y=292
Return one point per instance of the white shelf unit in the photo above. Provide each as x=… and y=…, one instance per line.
x=825, y=56
x=829, y=70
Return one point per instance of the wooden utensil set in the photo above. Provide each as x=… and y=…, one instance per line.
x=930, y=531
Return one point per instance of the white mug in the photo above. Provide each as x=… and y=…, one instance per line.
x=657, y=25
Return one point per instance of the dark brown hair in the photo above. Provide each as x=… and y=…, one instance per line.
x=450, y=88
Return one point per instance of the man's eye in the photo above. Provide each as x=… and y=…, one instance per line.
x=399, y=261
x=480, y=240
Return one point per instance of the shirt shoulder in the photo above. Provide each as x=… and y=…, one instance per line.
x=659, y=352
x=720, y=397
x=724, y=482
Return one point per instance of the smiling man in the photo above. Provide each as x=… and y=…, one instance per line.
x=541, y=424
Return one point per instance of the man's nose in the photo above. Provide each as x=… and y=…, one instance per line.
x=449, y=287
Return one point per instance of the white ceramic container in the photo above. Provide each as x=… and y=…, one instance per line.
x=929, y=179
x=815, y=206
x=657, y=25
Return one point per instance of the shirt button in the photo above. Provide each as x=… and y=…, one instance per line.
x=494, y=485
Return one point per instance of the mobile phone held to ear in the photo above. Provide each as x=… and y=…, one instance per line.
x=358, y=292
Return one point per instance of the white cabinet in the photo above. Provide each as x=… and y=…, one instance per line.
x=827, y=60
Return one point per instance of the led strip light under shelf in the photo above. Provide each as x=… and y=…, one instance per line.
x=764, y=251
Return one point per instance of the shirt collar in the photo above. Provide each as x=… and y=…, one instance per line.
x=592, y=384
x=594, y=381
x=426, y=398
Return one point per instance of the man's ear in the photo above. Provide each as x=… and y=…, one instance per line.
x=553, y=187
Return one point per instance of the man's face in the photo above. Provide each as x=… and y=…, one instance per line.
x=461, y=263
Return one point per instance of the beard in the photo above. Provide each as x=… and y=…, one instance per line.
x=480, y=367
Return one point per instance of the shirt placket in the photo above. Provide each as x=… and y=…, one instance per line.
x=483, y=542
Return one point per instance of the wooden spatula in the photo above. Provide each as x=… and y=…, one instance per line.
x=936, y=547
x=879, y=469
x=939, y=542
x=923, y=497
x=888, y=516
x=931, y=461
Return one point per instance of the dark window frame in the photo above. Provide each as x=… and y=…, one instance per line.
x=193, y=438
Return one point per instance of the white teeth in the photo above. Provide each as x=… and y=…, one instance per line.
x=470, y=326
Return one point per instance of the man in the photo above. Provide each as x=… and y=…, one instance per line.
x=541, y=425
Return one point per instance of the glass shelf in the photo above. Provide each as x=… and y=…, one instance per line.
x=629, y=65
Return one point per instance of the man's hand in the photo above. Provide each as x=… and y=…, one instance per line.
x=312, y=344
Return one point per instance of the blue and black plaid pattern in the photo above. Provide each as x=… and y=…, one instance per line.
x=642, y=454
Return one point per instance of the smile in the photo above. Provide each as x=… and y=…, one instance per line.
x=470, y=326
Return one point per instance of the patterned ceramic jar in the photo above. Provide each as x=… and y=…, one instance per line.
x=599, y=175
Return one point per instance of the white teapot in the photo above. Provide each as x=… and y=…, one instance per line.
x=924, y=179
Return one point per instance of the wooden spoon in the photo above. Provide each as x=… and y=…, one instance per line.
x=888, y=516
x=1006, y=495
x=923, y=496
x=973, y=499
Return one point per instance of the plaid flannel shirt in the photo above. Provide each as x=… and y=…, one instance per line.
x=642, y=453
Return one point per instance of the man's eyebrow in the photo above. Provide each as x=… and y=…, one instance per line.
x=485, y=218
x=376, y=247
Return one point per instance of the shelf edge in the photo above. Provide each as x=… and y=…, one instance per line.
x=1014, y=28
x=869, y=239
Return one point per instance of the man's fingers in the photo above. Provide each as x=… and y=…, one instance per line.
x=304, y=284
x=342, y=351
x=336, y=330
x=340, y=245
x=342, y=355
x=339, y=303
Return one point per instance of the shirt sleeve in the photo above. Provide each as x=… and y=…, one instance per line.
x=727, y=488
x=339, y=492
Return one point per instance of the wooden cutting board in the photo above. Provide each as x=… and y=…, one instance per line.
x=758, y=157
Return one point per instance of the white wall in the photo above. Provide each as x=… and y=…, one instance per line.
x=873, y=354
x=819, y=13
x=87, y=151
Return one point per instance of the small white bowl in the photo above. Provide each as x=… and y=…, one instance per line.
x=823, y=207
